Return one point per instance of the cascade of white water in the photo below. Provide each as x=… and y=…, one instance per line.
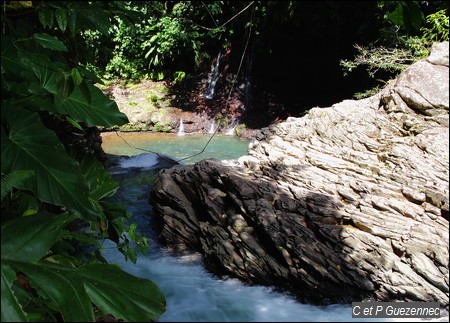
x=181, y=128
x=213, y=78
x=231, y=131
x=211, y=129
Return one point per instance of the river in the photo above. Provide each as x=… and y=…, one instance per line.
x=192, y=293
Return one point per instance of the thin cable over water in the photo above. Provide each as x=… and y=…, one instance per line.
x=227, y=101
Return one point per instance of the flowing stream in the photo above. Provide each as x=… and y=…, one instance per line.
x=192, y=293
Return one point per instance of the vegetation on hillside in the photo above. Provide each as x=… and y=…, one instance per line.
x=272, y=40
x=406, y=37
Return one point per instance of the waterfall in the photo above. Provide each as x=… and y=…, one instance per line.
x=211, y=129
x=213, y=78
x=181, y=128
x=231, y=131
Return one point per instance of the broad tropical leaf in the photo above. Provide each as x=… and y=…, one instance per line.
x=64, y=84
x=100, y=181
x=76, y=76
x=29, y=238
x=84, y=103
x=63, y=287
x=46, y=17
x=101, y=111
x=61, y=19
x=121, y=294
x=50, y=42
x=24, y=239
x=11, y=309
x=30, y=145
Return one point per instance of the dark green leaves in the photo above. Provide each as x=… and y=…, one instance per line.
x=52, y=189
x=48, y=86
x=61, y=19
x=128, y=297
x=71, y=290
x=30, y=238
x=46, y=17
x=407, y=14
x=11, y=309
x=76, y=77
x=63, y=287
x=64, y=84
x=57, y=178
x=50, y=42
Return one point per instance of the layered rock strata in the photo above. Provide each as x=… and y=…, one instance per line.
x=346, y=203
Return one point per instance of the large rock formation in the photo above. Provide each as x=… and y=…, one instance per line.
x=346, y=203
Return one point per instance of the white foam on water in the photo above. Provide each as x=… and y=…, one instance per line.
x=194, y=295
x=146, y=160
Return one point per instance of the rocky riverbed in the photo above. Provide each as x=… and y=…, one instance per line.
x=346, y=203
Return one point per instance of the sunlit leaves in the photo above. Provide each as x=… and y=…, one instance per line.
x=57, y=178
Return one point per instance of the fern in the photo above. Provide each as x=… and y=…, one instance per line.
x=14, y=179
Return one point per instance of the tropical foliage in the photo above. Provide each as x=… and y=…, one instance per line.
x=406, y=38
x=54, y=208
x=167, y=38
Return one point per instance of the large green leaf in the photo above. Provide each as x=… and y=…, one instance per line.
x=84, y=103
x=101, y=111
x=57, y=178
x=100, y=181
x=24, y=239
x=46, y=17
x=111, y=289
x=61, y=18
x=63, y=287
x=29, y=238
x=121, y=294
x=50, y=42
x=11, y=66
x=11, y=309
x=397, y=16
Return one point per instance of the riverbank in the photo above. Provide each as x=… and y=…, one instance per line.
x=160, y=107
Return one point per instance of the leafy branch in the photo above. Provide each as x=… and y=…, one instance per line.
x=379, y=58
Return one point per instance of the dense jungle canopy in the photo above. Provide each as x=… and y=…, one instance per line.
x=286, y=56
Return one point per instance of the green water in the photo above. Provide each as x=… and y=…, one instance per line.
x=178, y=147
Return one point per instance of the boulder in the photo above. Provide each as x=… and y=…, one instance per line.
x=347, y=203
